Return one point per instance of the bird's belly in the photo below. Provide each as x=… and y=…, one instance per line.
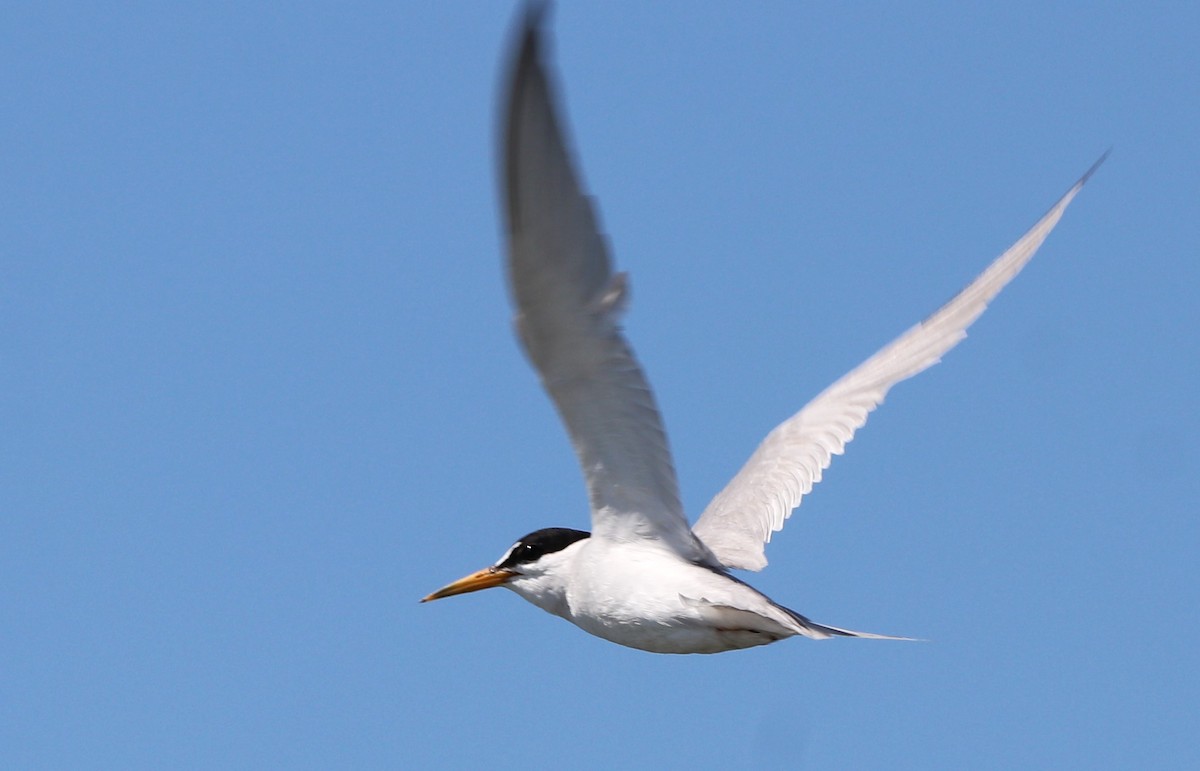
x=673, y=636
x=649, y=610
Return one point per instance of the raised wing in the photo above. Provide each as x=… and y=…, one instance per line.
x=738, y=523
x=568, y=302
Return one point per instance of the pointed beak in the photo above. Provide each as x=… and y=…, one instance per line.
x=480, y=579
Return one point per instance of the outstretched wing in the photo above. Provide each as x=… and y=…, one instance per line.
x=568, y=305
x=739, y=521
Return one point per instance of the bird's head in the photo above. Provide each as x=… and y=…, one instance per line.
x=533, y=567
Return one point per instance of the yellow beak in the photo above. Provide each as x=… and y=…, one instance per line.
x=480, y=579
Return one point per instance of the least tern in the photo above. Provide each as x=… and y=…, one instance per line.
x=643, y=578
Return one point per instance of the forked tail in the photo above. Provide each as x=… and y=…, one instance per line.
x=817, y=631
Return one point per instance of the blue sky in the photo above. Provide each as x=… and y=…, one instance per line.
x=260, y=392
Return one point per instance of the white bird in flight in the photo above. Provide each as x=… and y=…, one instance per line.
x=642, y=577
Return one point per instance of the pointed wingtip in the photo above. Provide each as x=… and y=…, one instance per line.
x=525, y=48
x=525, y=75
x=533, y=16
x=1060, y=206
x=1092, y=169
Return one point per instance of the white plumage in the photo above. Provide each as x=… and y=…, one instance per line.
x=644, y=578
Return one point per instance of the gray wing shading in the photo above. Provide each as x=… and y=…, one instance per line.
x=738, y=523
x=568, y=304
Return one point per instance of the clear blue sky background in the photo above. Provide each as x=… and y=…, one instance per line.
x=260, y=393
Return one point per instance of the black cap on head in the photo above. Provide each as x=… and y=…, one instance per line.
x=534, y=546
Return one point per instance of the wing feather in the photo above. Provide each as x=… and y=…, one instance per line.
x=568, y=303
x=739, y=521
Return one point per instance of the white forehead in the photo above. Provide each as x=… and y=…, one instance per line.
x=508, y=553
